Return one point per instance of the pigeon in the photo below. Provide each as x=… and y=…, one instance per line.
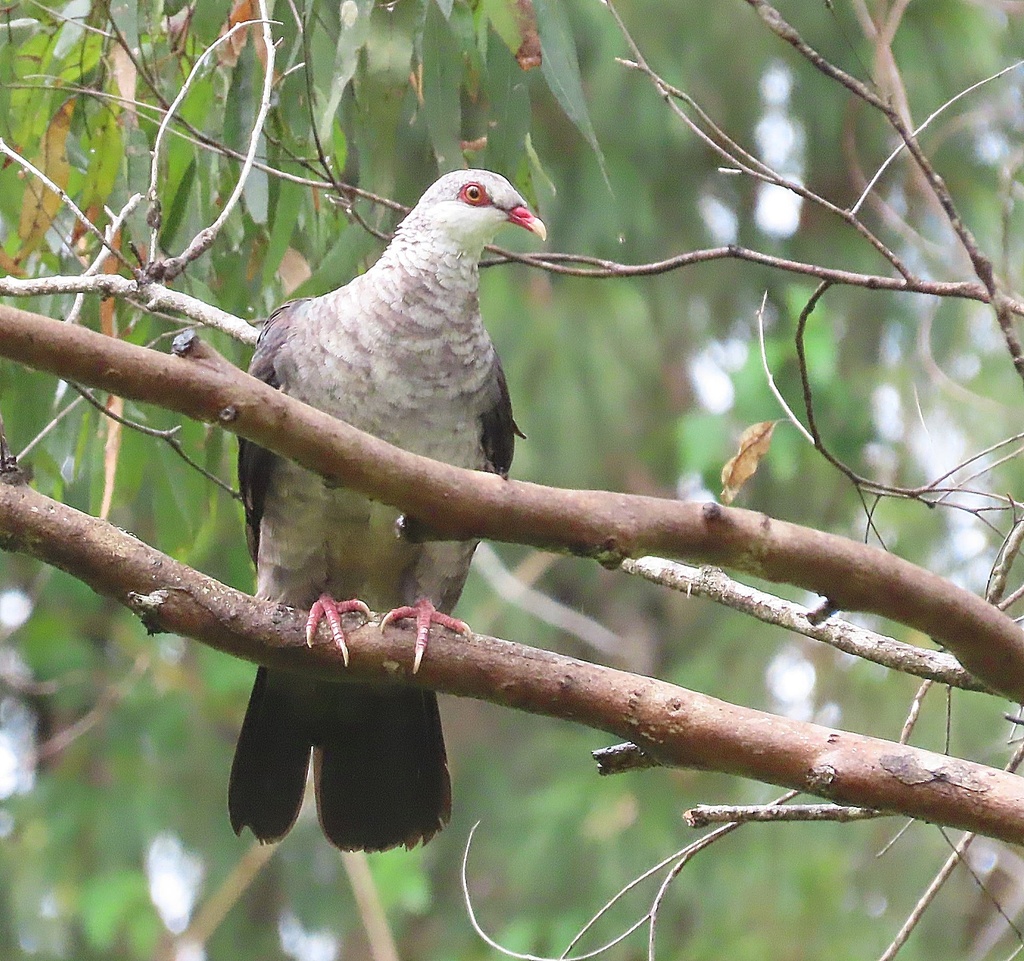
x=399, y=352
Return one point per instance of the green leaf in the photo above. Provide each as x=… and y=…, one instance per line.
x=536, y=168
x=561, y=70
x=355, y=29
x=176, y=204
x=502, y=17
x=81, y=61
x=125, y=14
x=105, y=164
x=240, y=108
x=340, y=145
x=256, y=194
x=286, y=216
x=509, y=116
x=442, y=75
x=30, y=107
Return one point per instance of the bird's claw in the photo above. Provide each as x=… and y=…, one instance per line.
x=327, y=608
x=424, y=614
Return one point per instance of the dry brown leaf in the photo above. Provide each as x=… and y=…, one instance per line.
x=228, y=53
x=528, y=55
x=754, y=444
x=8, y=265
x=41, y=204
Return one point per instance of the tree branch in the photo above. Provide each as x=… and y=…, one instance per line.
x=838, y=633
x=151, y=295
x=671, y=724
x=461, y=504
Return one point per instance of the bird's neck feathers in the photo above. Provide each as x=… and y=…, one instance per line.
x=444, y=239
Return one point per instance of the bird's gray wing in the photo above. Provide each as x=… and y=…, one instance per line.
x=255, y=463
x=498, y=429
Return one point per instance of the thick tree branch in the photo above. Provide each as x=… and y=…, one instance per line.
x=463, y=504
x=671, y=724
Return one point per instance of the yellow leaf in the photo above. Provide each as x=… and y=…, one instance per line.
x=111, y=452
x=125, y=76
x=41, y=204
x=293, y=270
x=754, y=444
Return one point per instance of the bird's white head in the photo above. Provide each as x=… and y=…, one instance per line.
x=466, y=208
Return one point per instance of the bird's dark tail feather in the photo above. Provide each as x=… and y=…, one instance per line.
x=268, y=775
x=380, y=769
x=383, y=781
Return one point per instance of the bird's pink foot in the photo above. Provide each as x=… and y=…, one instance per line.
x=327, y=608
x=425, y=614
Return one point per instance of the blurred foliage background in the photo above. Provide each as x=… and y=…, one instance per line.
x=115, y=746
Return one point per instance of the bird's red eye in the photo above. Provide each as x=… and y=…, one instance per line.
x=474, y=195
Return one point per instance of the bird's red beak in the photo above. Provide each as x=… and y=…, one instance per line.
x=522, y=217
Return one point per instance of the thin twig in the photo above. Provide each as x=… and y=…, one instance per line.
x=758, y=170
x=57, y=418
x=981, y=263
x=65, y=198
x=915, y=710
x=471, y=912
x=107, y=701
x=110, y=233
x=776, y=393
x=686, y=857
x=919, y=129
x=544, y=608
x=1008, y=552
x=169, y=268
x=371, y=911
x=169, y=437
x=215, y=908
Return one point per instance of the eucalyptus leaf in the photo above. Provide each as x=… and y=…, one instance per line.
x=353, y=33
x=562, y=70
x=442, y=75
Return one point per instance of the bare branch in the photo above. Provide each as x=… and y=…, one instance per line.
x=152, y=295
x=600, y=268
x=371, y=911
x=214, y=909
x=923, y=126
x=467, y=505
x=170, y=268
x=110, y=233
x=716, y=585
x=776, y=393
x=169, y=437
x=980, y=261
x=707, y=814
x=672, y=724
x=744, y=161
